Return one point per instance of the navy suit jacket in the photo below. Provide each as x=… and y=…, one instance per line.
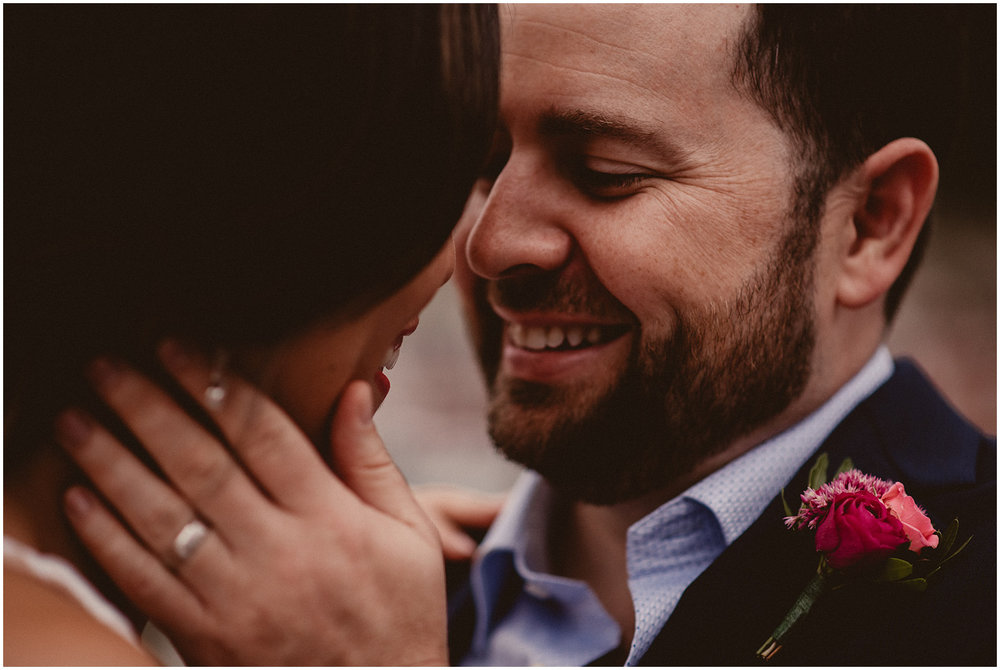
x=904, y=432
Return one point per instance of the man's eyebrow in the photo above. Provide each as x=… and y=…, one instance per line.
x=583, y=124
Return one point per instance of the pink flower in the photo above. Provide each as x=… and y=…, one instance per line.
x=916, y=525
x=858, y=530
x=815, y=502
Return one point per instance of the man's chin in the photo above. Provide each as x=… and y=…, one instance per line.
x=578, y=439
x=536, y=409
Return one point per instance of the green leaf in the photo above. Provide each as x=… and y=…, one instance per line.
x=788, y=510
x=894, y=570
x=845, y=465
x=947, y=540
x=817, y=475
x=953, y=555
x=917, y=584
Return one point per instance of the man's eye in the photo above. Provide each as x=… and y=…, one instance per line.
x=610, y=180
x=607, y=183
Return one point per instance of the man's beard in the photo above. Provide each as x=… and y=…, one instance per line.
x=721, y=372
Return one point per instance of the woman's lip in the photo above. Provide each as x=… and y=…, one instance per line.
x=381, y=385
x=409, y=330
x=411, y=327
x=379, y=380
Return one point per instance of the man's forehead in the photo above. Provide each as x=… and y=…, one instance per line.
x=652, y=27
x=669, y=65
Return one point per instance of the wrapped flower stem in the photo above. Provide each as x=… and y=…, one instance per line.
x=816, y=588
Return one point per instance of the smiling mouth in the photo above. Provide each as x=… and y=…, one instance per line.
x=572, y=337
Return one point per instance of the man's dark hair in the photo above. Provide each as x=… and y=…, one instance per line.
x=845, y=80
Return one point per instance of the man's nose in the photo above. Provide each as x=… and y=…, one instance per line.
x=519, y=227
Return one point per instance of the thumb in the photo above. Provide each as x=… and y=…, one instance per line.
x=360, y=458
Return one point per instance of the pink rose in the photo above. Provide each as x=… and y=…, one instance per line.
x=916, y=525
x=858, y=530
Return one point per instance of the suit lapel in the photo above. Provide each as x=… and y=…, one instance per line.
x=904, y=431
x=725, y=615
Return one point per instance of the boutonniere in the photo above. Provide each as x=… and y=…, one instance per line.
x=866, y=529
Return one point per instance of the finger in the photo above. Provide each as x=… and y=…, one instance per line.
x=148, y=504
x=455, y=543
x=154, y=511
x=192, y=458
x=269, y=444
x=361, y=460
x=139, y=574
x=463, y=507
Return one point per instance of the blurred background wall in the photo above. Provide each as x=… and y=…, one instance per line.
x=434, y=419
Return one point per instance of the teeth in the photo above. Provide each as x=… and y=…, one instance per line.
x=554, y=337
x=535, y=338
x=574, y=335
x=390, y=359
x=515, y=332
x=538, y=338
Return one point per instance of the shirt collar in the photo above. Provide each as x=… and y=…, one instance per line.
x=524, y=514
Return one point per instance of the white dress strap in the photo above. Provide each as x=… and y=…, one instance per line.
x=60, y=573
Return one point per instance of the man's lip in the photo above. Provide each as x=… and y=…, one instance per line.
x=562, y=319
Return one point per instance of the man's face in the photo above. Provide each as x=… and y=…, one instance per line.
x=647, y=299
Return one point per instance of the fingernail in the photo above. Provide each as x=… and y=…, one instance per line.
x=73, y=428
x=173, y=354
x=79, y=501
x=104, y=371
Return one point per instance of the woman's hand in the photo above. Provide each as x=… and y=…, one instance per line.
x=454, y=512
x=298, y=567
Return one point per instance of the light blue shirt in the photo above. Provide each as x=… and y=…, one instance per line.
x=555, y=621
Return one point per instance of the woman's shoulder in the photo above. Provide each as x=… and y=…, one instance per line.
x=44, y=626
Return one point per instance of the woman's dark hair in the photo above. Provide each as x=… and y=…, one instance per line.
x=846, y=79
x=225, y=173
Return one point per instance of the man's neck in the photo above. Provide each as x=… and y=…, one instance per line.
x=588, y=543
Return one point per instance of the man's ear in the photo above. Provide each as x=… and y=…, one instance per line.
x=897, y=187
